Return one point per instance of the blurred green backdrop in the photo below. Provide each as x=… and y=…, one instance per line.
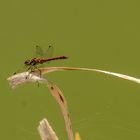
x=102, y=34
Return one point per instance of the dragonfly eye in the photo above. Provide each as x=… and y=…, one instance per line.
x=27, y=62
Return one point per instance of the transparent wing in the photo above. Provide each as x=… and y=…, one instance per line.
x=39, y=52
x=49, y=52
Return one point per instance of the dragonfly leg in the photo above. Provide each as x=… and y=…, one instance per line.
x=35, y=67
x=39, y=72
x=38, y=83
x=30, y=70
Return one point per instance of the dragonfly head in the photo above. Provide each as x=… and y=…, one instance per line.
x=27, y=62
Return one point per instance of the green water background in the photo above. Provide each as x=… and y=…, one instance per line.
x=102, y=34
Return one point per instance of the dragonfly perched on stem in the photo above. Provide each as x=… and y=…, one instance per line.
x=41, y=58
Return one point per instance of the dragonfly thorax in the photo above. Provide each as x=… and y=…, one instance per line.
x=33, y=61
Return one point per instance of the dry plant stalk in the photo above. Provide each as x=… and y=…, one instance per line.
x=123, y=76
x=45, y=130
x=29, y=77
x=59, y=97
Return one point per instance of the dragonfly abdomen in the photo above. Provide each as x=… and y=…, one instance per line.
x=56, y=58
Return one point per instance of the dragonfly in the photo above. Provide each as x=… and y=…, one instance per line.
x=41, y=58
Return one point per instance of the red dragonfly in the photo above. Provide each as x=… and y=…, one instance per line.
x=41, y=58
